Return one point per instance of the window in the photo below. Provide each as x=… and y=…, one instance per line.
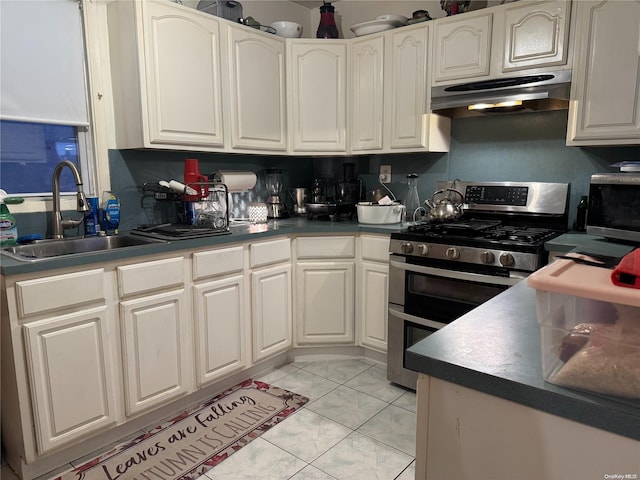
x=43, y=100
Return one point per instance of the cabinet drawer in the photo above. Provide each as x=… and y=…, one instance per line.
x=275, y=251
x=375, y=248
x=320, y=247
x=60, y=291
x=148, y=276
x=218, y=262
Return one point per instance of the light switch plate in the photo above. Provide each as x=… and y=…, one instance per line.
x=385, y=174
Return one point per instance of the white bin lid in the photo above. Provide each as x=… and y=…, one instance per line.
x=570, y=278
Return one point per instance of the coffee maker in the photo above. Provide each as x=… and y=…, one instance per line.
x=274, y=179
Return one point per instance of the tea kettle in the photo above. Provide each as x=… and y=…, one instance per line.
x=445, y=209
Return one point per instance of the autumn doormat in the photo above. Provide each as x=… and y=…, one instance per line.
x=197, y=440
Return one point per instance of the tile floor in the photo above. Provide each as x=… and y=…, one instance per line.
x=355, y=426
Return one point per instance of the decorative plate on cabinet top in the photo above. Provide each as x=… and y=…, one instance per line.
x=374, y=26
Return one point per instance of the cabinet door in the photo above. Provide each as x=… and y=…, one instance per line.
x=219, y=308
x=182, y=64
x=462, y=47
x=407, y=87
x=325, y=302
x=374, y=286
x=605, y=96
x=271, y=310
x=71, y=376
x=367, y=93
x=536, y=35
x=317, y=73
x=157, y=350
x=257, y=89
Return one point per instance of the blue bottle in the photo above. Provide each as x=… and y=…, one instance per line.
x=110, y=213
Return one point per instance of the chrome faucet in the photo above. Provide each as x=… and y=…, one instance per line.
x=58, y=224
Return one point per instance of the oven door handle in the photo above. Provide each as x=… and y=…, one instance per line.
x=418, y=320
x=471, y=277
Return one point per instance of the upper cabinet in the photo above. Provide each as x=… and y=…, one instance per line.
x=605, y=95
x=389, y=94
x=496, y=41
x=317, y=96
x=257, y=93
x=166, y=76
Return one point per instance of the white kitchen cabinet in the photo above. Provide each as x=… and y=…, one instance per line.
x=257, y=93
x=219, y=312
x=373, y=286
x=156, y=330
x=317, y=95
x=59, y=377
x=325, y=290
x=166, y=76
x=501, y=40
x=389, y=98
x=69, y=363
x=367, y=92
x=271, y=310
x=605, y=91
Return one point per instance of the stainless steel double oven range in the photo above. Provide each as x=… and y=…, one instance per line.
x=439, y=272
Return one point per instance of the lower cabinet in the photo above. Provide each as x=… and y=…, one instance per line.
x=373, y=286
x=219, y=313
x=70, y=373
x=325, y=290
x=271, y=313
x=157, y=344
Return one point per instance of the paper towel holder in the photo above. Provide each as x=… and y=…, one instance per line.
x=235, y=180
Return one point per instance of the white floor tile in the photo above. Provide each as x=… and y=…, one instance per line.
x=347, y=406
x=307, y=384
x=395, y=427
x=338, y=371
x=374, y=382
x=359, y=457
x=312, y=473
x=277, y=374
x=259, y=460
x=409, y=473
x=407, y=401
x=306, y=434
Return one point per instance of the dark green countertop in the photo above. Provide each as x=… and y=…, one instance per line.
x=495, y=349
x=240, y=232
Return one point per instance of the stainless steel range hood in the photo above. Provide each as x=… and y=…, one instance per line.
x=552, y=85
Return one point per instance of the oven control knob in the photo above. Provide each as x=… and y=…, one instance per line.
x=407, y=247
x=507, y=260
x=453, y=253
x=487, y=257
x=423, y=249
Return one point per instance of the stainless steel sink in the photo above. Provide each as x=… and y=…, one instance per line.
x=45, y=249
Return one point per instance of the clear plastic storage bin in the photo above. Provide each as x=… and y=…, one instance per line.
x=590, y=329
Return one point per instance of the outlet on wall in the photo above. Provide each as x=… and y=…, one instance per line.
x=385, y=174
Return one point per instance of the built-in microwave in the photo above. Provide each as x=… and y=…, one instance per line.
x=614, y=206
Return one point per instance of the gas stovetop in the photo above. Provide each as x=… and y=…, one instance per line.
x=481, y=233
x=504, y=225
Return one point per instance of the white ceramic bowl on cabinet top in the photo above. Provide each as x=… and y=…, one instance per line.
x=287, y=29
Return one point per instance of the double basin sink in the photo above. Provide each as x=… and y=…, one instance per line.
x=46, y=249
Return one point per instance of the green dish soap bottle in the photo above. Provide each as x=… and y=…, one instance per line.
x=8, y=225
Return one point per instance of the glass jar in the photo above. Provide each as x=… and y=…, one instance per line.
x=412, y=199
x=327, y=27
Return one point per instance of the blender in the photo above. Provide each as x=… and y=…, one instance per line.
x=276, y=208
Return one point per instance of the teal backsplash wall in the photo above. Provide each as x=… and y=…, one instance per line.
x=516, y=147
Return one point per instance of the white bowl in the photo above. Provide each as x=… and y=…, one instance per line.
x=397, y=20
x=375, y=214
x=287, y=29
x=373, y=26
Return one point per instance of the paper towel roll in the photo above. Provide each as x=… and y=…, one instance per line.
x=236, y=181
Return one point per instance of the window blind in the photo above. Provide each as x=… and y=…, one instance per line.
x=42, y=74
